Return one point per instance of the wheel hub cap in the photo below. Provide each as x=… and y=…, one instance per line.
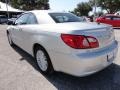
x=42, y=60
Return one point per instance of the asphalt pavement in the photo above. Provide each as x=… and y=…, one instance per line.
x=18, y=71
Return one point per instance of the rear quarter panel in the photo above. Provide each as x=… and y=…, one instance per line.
x=51, y=41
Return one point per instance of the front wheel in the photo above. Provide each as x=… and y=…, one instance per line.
x=43, y=61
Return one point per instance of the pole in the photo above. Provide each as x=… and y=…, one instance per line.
x=7, y=9
x=95, y=6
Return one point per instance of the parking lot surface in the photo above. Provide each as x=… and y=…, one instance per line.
x=18, y=71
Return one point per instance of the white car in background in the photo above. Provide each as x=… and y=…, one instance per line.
x=59, y=41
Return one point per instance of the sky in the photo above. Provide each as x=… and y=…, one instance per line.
x=64, y=5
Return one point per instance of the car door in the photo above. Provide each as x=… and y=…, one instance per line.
x=26, y=33
x=108, y=20
x=17, y=29
x=116, y=21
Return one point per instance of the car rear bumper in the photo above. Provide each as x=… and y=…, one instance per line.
x=84, y=64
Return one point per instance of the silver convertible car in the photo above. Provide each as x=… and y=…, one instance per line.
x=59, y=41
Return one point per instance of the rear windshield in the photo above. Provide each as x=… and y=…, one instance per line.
x=64, y=17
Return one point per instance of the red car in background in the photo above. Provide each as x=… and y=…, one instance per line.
x=111, y=19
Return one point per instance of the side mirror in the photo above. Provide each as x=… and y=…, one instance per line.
x=11, y=23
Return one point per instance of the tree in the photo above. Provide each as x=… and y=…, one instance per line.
x=82, y=9
x=111, y=6
x=28, y=4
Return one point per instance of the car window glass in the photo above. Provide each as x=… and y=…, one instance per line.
x=108, y=18
x=116, y=18
x=32, y=19
x=22, y=19
x=64, y=17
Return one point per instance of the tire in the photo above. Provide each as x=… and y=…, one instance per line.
x=10, y=40
x=43, y=60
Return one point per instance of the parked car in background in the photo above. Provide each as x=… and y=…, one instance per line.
x=3, y=19
x=111, y=19
x=60, y=41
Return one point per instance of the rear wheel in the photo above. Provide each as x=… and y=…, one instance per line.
x=43, y=60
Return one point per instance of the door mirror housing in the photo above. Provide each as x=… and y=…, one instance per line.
x=11, y=23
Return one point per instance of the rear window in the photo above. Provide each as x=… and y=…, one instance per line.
x=64, y=17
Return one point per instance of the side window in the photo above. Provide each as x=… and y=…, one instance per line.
x=32, y=19
x=22, y=19
x=108, y=17
x=116, y=18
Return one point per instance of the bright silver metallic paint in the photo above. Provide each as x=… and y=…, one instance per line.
x=77, y=62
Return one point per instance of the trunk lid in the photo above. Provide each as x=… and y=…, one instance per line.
x=105, y=36
x=102, y=32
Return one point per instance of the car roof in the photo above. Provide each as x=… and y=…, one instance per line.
x=109, y=15
x=47, y=11
x=43, y=15
x=112, y=15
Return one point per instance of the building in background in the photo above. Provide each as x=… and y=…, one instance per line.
x=7, y=9
x=6, y=12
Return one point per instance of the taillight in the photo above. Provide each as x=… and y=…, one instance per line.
x=80, y=41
